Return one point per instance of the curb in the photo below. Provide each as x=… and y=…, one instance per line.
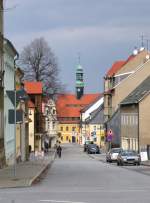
x=35, y=178
x=144, y=164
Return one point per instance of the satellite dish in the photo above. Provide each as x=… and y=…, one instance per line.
x=147, y=56
x=142, y=48
x=135, y=52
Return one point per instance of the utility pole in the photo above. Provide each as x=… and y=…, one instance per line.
x=100, y=137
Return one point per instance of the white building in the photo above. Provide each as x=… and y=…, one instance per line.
x=51, y=122
x=86, y=114
x=9, y=131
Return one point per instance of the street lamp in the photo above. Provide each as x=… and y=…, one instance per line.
x=100, y=137
x=15, y=59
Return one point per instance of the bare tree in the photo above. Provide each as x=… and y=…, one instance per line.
x=40, y=64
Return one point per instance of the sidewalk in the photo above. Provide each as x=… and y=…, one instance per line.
x=26, y=173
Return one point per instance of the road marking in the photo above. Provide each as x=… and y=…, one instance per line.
x=59, y=201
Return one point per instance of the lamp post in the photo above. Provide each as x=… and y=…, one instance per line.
x=14, y=168
x=100, y=137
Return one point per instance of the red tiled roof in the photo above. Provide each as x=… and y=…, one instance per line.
x=31, y=104
x=68, y=105
x=115, y=67
x=33, y=87
x=118, y=65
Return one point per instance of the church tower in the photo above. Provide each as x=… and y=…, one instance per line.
x=79, y=82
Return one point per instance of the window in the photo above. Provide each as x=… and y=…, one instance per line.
x=94, y=128
x=73, y=128
x=48, y=125
x=61, y=128
x=61, y=138
x=67, y=138
x=109, y=101
x=67, y=128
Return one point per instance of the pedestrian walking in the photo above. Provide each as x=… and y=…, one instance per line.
x=59, y=149
x=46, y=144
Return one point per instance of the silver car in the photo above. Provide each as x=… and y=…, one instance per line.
x=128, y=157
x=113, y=154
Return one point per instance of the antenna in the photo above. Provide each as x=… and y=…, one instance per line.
x=6, y=9
x=142, y=40
x=147, y=44
x=79, y=57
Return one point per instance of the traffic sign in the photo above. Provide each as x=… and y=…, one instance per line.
x=109, y=135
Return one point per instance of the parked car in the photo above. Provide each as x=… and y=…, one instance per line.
x=93, y=149
x=86, y=144
x=112, y=154
x=128, y=157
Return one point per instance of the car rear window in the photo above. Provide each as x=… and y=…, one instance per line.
x=129, y=153
x=115, y=150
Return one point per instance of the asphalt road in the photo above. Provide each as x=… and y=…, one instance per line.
x=77, y=178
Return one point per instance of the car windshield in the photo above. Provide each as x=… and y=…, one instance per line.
x=87, y=142
x=129, y=153
x=92, y=145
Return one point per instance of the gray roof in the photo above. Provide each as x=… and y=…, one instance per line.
x=96, y=116
x=139, y=93
x=89, y=105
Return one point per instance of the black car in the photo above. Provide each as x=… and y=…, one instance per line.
x=87, y=142
x=93, y=149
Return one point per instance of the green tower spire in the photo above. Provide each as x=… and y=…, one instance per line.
x=79, y=81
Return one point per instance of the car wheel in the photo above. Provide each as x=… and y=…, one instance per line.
x=121, y=163
x=118, y=164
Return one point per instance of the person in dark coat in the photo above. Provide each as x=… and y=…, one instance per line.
x=59, y=149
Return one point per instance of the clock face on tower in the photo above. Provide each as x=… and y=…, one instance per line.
x=78, y=90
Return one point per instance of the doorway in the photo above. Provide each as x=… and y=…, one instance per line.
x=73, y=139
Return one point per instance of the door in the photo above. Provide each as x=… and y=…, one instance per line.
x=73, y=139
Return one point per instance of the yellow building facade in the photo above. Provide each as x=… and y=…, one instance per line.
x=96, y=132
x=68, y=133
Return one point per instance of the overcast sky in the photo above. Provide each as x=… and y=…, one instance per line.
x=103, y=31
